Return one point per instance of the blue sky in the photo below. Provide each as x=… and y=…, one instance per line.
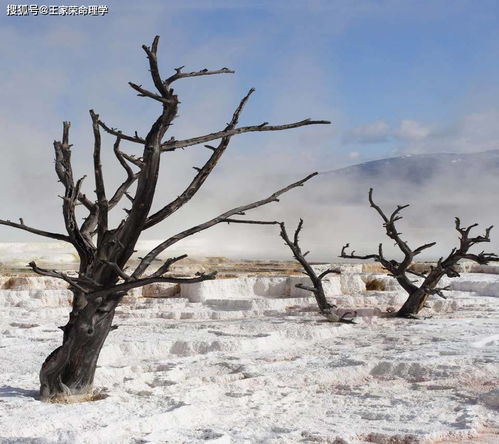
x=433, y=63
x=394, y=77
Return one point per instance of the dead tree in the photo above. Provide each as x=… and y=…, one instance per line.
x=317, y=288
x=104, y=251
x=419, y=292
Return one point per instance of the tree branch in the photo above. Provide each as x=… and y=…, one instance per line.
x=131, y=176
x=153, y=66
x=129, y=232
x=202, y=174
x=437, y=290
x=126, y=286
x=466, y=241
x=391, y=229
x=251, y=222
x=22, y=226
x=415, y=273
x=352, y=255
x=423, y=247
x=145, y=93
x=306, y=288
x=204, y=72
x=330, y=271
x=166, y=266
x=146, y=261
x=116, y=133
x=317, y=289
x=59, y=275
x=176, y=144
x=72, y=194
x=100, y=189
x=121, y=273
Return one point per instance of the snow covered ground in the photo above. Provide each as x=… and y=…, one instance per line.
x=248, y=360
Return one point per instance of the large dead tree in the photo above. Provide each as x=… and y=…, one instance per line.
x=419, y=292
x=104, y=251
x=317, y=289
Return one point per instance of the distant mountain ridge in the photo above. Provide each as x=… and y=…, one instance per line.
x=418, y=168
x=437, y=186
x=467, y=180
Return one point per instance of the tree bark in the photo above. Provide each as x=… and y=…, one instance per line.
x=418, y=296
x=317, y=288
x=414, y=303
x=69, y=370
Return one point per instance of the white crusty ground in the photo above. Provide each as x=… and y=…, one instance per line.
x=248, y=366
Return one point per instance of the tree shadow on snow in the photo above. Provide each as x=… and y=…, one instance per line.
x=7, y=391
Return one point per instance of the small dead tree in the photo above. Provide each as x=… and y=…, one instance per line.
x=317, y=289
x=419, y=293
x=104, y=251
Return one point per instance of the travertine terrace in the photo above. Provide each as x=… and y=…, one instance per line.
x=247, y=358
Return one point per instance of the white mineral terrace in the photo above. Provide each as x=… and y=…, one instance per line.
x=249, y=360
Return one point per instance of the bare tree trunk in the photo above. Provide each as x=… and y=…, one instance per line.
x=417, y=298
x=414, y=303
x=70, y=369
x=317, y=289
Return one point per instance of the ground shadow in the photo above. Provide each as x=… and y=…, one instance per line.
x=7, y=391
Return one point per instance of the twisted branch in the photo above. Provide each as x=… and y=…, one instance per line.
x=146, y=261
x=317, y=288
x=22, y=226
x=173, y=145
x=202, y=174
